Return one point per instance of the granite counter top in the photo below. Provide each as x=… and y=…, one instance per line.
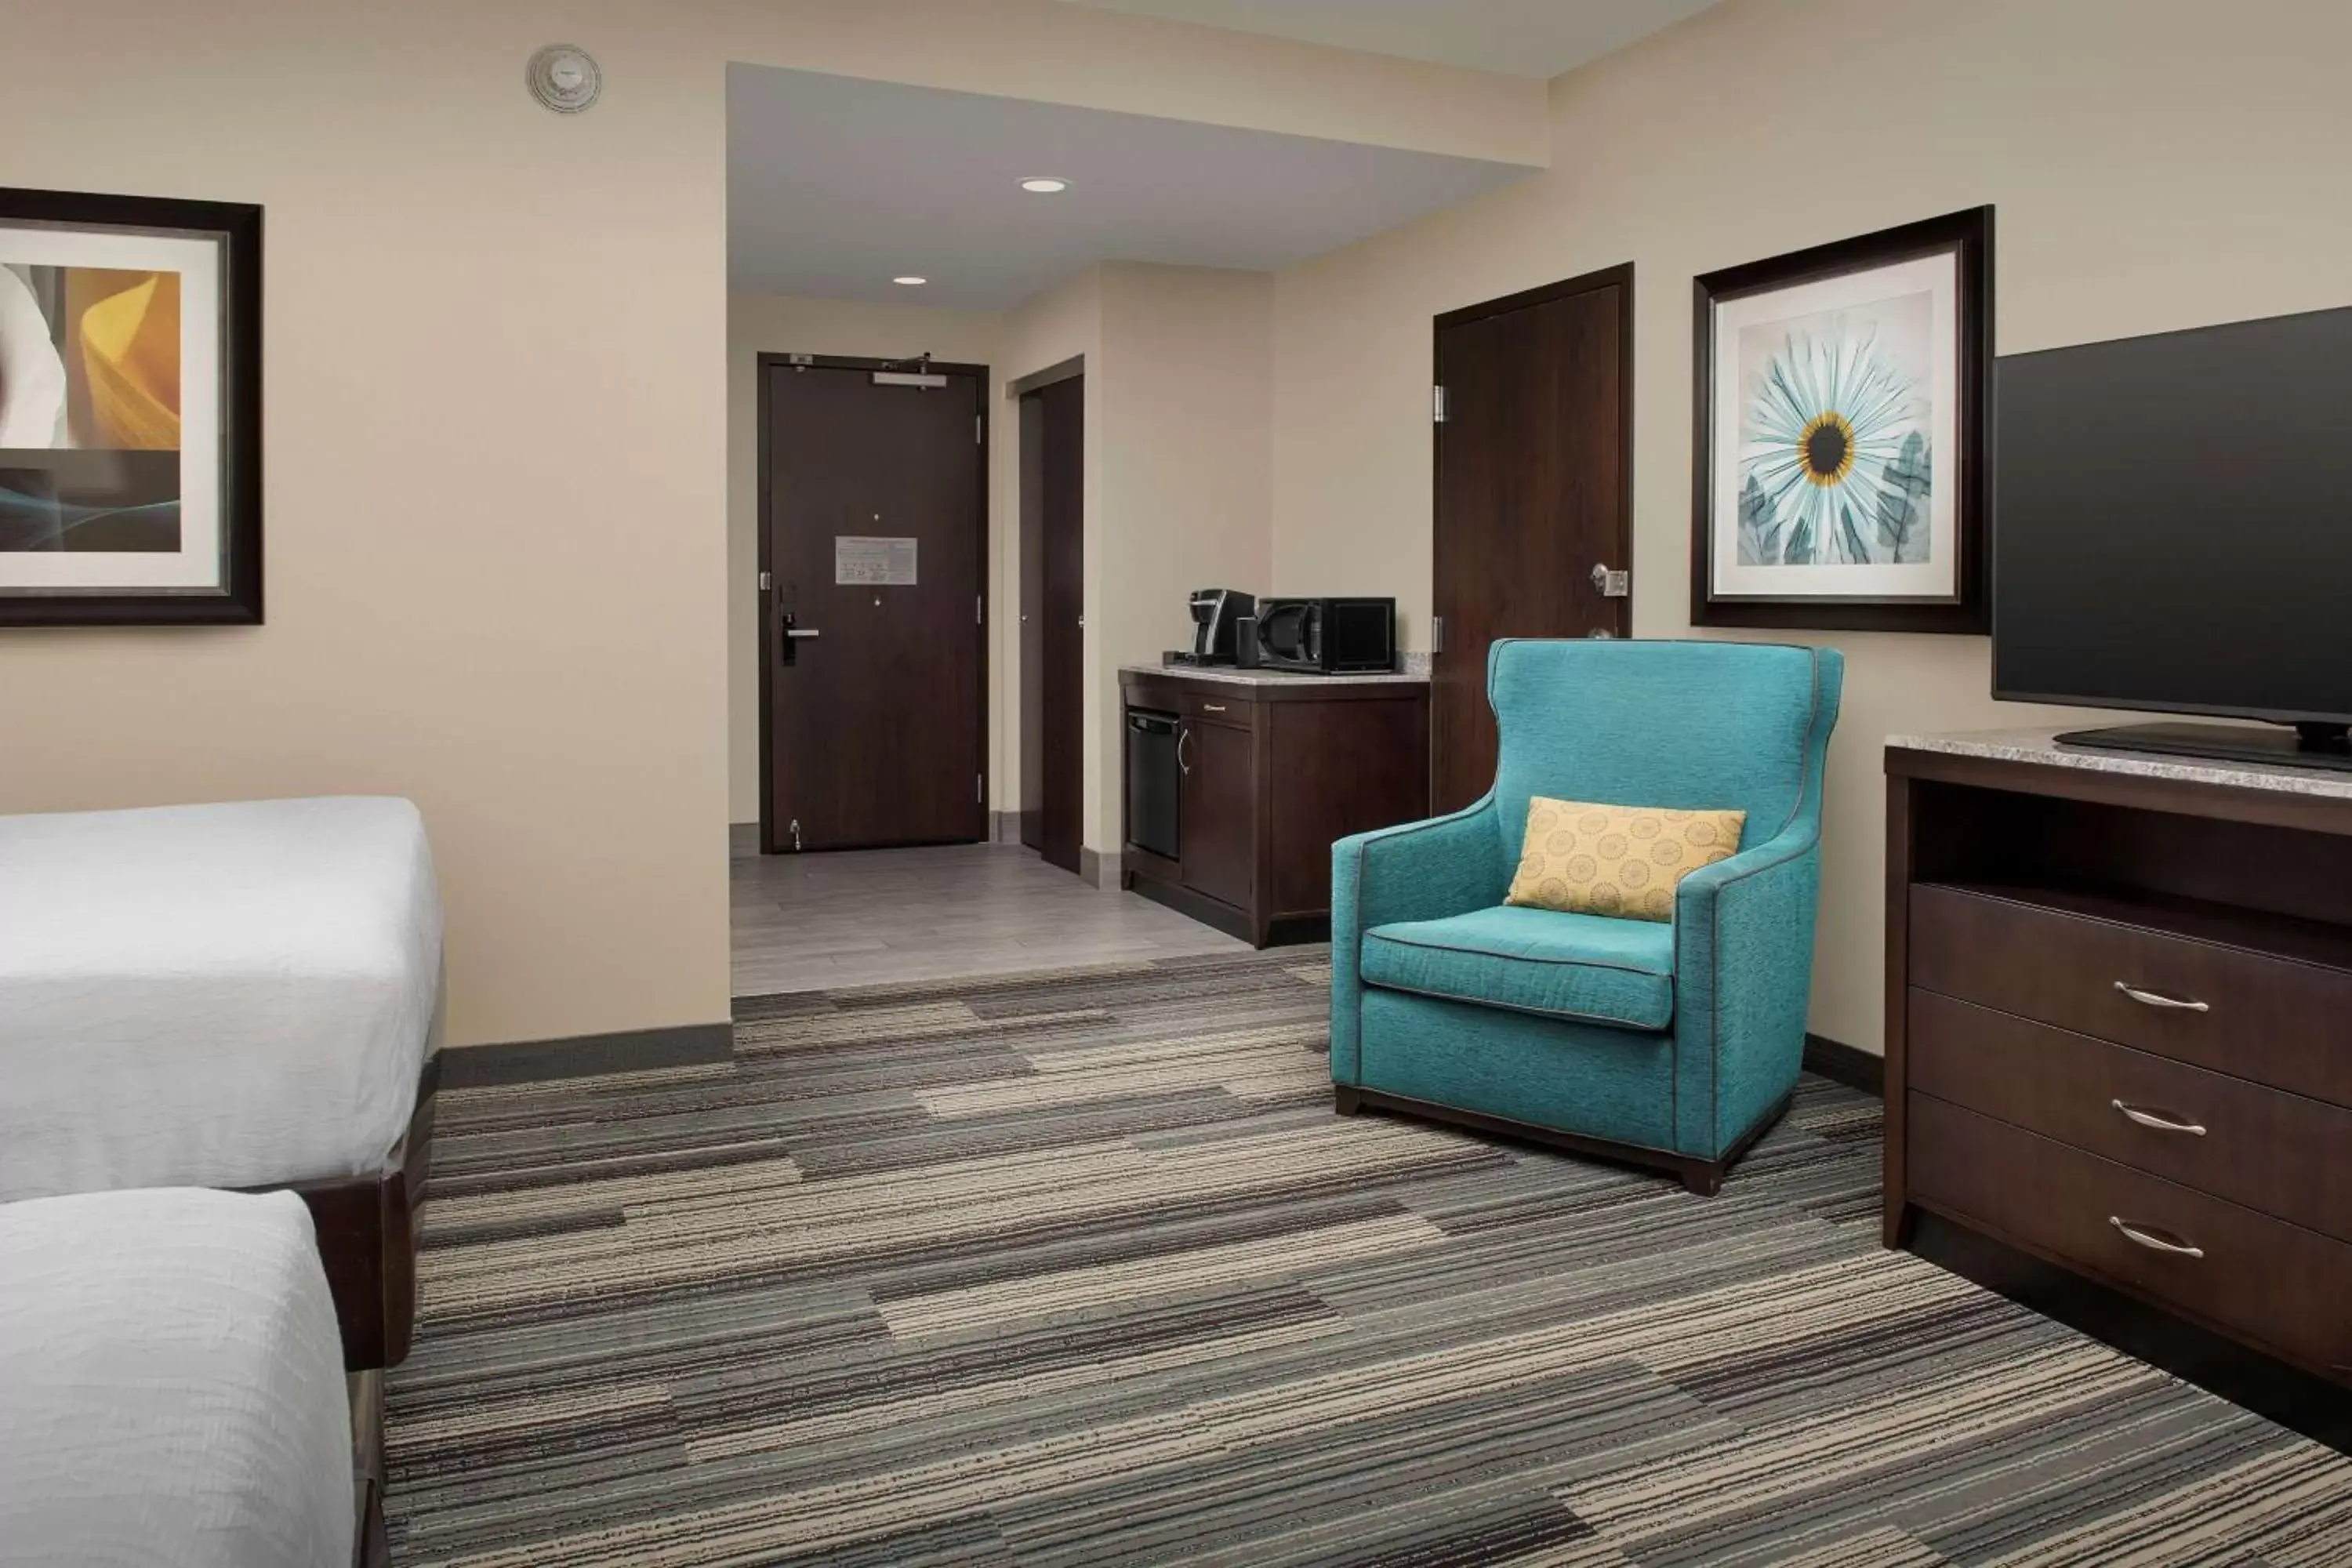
x=2038, y=746
x=1226, y=675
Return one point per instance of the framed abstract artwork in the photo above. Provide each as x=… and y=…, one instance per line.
x=129, y=411
x=1839, y=434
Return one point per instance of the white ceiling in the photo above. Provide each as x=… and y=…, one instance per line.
x=836, y=185
x=1517, y=37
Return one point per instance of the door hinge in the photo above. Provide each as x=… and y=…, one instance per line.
x=980, y=609
x=1437, y=634
x=767, y=581
x=980, y=430
x=980, y=788
x=1437, y=405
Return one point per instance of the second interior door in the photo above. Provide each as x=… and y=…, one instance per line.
x=1533, y=492
x=874, y=646
x=1053, y=631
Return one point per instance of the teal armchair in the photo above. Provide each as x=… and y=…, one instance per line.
x=1669, y=1045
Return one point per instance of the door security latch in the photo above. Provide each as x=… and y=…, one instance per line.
x=1611, y=583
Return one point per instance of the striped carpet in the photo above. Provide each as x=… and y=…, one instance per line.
x=1080, y=1268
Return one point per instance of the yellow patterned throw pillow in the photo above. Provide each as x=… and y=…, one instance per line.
x=1620, y=860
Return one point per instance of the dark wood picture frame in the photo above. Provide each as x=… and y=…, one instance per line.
x=1967, y=235
x=236, y=229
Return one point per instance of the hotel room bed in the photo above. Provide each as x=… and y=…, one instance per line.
x=241, y=996
x=172, y=1383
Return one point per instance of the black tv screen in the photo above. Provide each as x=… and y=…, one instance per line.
x=2172, y=521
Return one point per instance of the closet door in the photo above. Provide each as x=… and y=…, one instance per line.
x=1533, y=492
x=1053, y=607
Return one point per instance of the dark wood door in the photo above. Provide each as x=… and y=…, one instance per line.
x=1220, y=806
x=1053, y=579
x=1533, y=490
x=875, y=538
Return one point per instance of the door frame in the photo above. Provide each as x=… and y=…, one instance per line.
x=763, y=495
x=1620, y=276
x=1017, y=391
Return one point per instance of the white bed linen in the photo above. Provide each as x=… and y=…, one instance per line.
x=233, y=996
x=171, y=1387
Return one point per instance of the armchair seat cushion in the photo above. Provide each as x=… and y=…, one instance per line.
x=1587, y=967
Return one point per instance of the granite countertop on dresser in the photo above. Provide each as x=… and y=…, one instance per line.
x=2041, y=747
x=1414, y=673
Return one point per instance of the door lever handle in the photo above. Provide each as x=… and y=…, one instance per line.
x=801, y=631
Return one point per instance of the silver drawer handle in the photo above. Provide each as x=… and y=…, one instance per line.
x=2153, y=1242
x=2161, y=1123
x=2158, y=999
x=1213, y=707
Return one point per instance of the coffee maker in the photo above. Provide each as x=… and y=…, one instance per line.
x=1216, y=616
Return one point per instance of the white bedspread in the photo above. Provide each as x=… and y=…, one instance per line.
x=172, y=1386
x=232, y=995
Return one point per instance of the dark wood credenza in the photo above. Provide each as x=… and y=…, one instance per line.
x=2119, y=1026
x=1276, y=770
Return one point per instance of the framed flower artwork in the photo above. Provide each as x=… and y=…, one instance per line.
x=129, y=411
x=1839, y=428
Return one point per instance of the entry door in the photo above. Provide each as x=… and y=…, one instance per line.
x=1533, y=490
x=874, y=646
x=1052, y=578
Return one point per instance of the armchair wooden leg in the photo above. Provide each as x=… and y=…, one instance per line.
x=1346, y=1100
x=1703, y=1181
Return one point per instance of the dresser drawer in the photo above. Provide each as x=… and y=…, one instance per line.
x=2274, y=1020
x=1215, y=706
x=2278, y=1153
x=2263, y=1277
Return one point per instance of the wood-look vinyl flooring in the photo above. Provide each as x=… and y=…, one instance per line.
x=871, y=917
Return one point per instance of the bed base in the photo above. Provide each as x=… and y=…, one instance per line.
x=371, y=1544
x=368, y=1230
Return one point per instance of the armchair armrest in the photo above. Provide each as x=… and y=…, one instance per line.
x=1417, y=871
x=1743, y=983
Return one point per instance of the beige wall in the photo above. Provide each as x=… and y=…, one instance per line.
x=1187, y=458
x=493, y=450
x=2150, y=172
x=1063, y=323
x=769, y=323
x=495, y=423
x=1179, y=452
x=1179, y=455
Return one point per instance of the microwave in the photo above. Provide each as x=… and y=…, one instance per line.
x=1329, y=636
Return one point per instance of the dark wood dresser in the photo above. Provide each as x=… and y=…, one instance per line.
x=2119, y=1025
x=1275, y=769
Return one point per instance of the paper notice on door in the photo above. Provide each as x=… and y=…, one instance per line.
x=861, y=562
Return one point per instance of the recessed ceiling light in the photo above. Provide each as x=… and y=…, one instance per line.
x=1044, y=185
x=911, y=281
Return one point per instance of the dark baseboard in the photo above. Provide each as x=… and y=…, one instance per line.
x=1209, y=911
x=1848, y=1065
x=583, y=1055
x=2294, y=1398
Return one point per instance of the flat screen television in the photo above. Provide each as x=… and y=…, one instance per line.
x=2172, y=531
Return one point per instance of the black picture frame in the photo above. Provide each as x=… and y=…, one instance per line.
x=236, y=229
x=1967, y=235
